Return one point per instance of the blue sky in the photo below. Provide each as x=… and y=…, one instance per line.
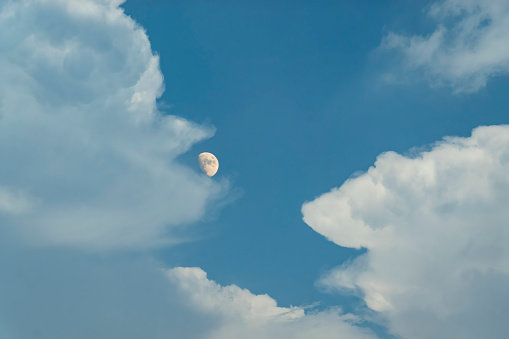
x=108, y=226
x=292, y=91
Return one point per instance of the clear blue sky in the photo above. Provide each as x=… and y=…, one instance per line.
x=99, y=184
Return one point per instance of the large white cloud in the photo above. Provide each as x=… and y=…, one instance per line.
x=470, y=43
x=86, y=158
x=87, y=161
x=436, y=231
x=241, y=314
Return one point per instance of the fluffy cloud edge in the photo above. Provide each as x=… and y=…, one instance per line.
x=244, y=314
x=89, y=161
x=434, y=226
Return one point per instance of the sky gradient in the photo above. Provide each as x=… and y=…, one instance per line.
x=363, y=179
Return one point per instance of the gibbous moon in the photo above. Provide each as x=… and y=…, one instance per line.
x=208, y=163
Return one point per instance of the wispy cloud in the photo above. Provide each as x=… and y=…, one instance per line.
x=469, y=45
x=14, y=202
x=435, y=227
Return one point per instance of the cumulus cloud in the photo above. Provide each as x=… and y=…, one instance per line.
x=241, y=314
x=59, y=293
x=435, y=229
x=87, y=160
x=469, y=45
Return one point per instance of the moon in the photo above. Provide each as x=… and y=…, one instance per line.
x=208, y=163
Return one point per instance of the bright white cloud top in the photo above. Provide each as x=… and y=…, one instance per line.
x=87, y=160
x=470, y=43
x=241, y=314
x=435, y=226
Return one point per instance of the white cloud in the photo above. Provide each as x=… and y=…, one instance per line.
x=241, y=314
x=87, y=160
x=58, y=293
x=435, y=227
x=62, y=293
x=230, y=300
x=470, y=43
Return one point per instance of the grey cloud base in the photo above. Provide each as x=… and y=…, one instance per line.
x=61, y=294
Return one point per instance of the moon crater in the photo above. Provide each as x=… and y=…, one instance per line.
x=208, y=163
